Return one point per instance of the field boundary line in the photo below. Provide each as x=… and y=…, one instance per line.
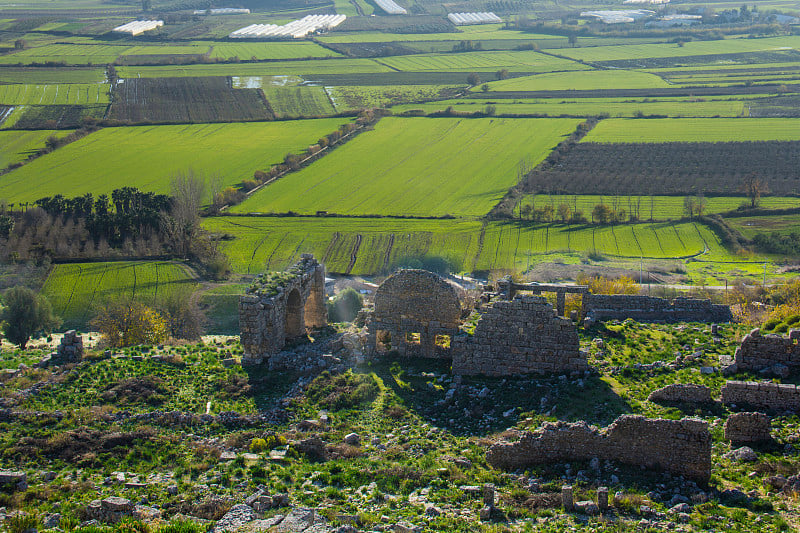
x=354, y=253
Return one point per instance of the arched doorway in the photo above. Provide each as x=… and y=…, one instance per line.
x=295, y=326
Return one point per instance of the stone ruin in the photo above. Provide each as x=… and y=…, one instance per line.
x=523, y=336
x=768, y=352
x=70, y=350
x=681, y=392
x=649, y=309
x=768, y=396
x=680, y=447
x=416, y=314
x=281, y=306
x=748, y=427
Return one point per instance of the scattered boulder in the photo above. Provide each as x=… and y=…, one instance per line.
x=238, y=516
x=353, y=439
x=743, y=454
x=680, y=392
x=14, y=480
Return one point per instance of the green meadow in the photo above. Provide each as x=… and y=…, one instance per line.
x=586, y=80
x=280, y=68
x=75, y=290
x=67, y=93
x=147, y=157
x=16, y=146
x=694, y=130
x=417, y=166
x=270, y=50
x=368, y=246
x=525, y=61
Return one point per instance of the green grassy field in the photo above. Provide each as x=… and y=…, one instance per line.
x=34, y=75
x=589, y=107
x=694, y=130
x=76, y=289
x=478, y=32
x=67, y=93
x=230, y=152
x=169, y=49
x=299, y=101
x=370, y=246
x=271, y=50
x=751, y=226
x=526, y=61
x=16, y=146
x=282, y=68
x=726, y=46
x=660, y=208
x=71, y=54
x=383, y=96
x=594, y=79
x=417, y=167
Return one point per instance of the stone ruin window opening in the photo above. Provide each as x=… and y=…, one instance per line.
x=442, y=342
x=295, y=325
x=383, y=341
x=413, y=338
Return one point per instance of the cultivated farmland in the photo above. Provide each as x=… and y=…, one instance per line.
x=694, y=130
x=16, y=146
x=301, y=101
x=595, y=79
x=55, y=116
x=75, y=290
x=370, y=246
x=148, y=156
x=263, y=51
x=419, y=167
x=278, y=68
x=670, y=168
x=186, y=100
x=69, y=54
x=67, y=93
x=527, y=61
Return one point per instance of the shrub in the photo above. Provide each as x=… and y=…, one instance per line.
x=24, y=314
x=344, y=391
x=128, y=322
x=345, y=306
x=258, y=445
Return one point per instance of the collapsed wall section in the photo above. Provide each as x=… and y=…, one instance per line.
x=681, y=447
x=765, y=395
x=648, y=308
x=521, y=336
x=280, y=306
x=758, y=352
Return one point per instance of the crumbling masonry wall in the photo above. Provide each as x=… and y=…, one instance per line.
x=681, y=392
x=648, y=308
x=764, y=351
x=413, y=310
x=748, y=427
x=681, y=447
x=280, y=306
x=521, y=336
x=765, y=395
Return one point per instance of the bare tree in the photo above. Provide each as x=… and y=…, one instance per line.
x=754, y=187
x=188, y=191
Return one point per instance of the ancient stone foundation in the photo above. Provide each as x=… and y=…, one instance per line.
x=416, y=314
x=748, y=427
x=758, y=352
x=681, y=447
x=765, y=395
x=522, y=336
x=648, y=309
x=680, y=392
x=279, y=306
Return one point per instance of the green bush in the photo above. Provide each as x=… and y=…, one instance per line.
x=344, y=391
x=345, y=306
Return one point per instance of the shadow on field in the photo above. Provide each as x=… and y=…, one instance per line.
x=482, y=405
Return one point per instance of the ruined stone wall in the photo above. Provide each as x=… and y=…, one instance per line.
x=681, y=447
x=764, y=351
x=748, y=427
x=521, y=336
x=764, y=395
x=280, y=306
x=412, y=309
x=680, y=392
x=648, y=308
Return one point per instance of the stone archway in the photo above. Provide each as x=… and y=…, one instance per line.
x=295, y=323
